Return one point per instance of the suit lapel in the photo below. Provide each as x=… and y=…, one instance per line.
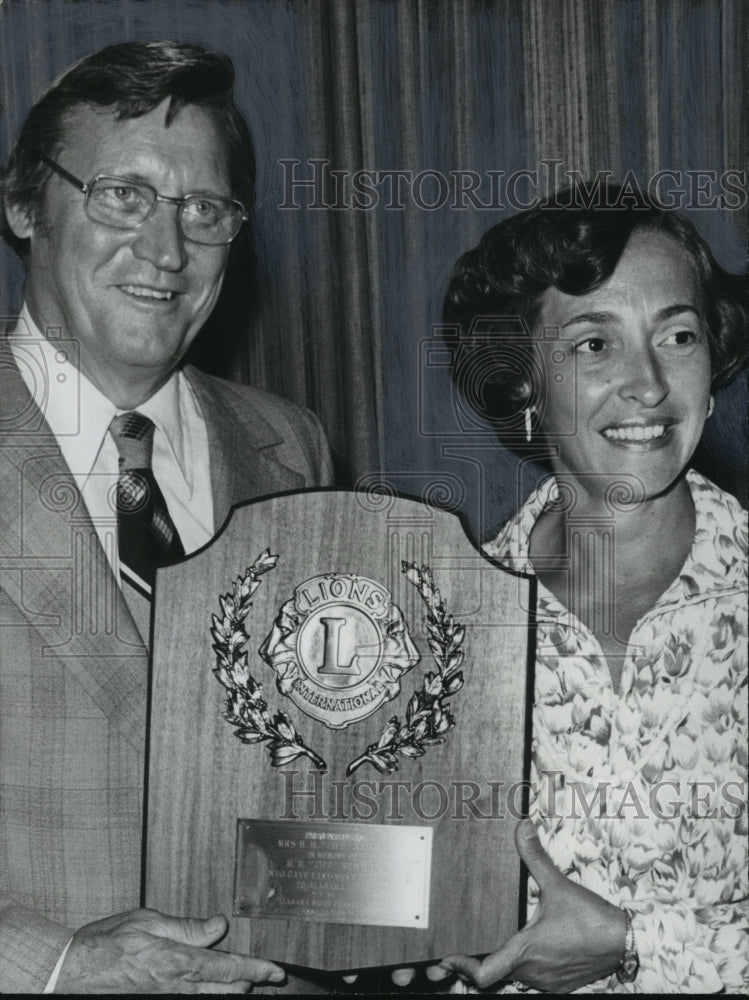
x=240, y=440
x=54, y=569
x=52, y=565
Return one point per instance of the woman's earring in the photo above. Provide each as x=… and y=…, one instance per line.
x=528, y=425
x=711, y=406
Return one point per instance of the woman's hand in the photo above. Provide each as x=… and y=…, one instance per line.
x=574, y=938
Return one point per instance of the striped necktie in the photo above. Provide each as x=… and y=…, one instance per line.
x=146, y=535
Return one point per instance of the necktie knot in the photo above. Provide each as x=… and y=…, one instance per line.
x=146, y=535
x=133, y=435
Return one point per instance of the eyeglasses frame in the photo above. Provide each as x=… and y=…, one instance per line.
x=86, y=187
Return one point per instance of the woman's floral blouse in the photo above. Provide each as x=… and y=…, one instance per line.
x=641, y=795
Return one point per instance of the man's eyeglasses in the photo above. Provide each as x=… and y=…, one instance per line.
x=121, y=203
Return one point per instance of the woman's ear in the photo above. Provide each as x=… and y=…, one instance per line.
x=522, y=391
x=19, y=219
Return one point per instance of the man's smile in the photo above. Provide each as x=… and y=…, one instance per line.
x=146, y=292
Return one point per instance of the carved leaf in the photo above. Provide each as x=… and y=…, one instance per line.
x=388, y=732
x=283, y=753
x=249, y=736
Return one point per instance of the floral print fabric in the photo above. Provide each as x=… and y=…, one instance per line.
x=640, y=795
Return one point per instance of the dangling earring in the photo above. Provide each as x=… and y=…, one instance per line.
x=710, y=407
x=528, y=425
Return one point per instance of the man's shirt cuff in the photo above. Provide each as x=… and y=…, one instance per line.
x=52, y=981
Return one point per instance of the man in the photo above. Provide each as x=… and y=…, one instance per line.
x=129, y=181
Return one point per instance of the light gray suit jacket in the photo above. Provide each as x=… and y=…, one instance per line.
x=73, y=669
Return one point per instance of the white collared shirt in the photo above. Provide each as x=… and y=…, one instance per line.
x=79, y=416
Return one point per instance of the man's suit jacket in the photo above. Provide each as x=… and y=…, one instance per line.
x=73, y=668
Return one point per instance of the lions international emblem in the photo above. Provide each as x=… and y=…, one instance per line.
x=339, y=647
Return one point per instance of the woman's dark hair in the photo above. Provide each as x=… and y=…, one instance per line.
x=132, y=78
x=493, y=299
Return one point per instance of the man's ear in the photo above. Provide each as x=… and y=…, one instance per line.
x=19, y=219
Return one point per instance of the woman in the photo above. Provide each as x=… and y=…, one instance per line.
x=637, y=839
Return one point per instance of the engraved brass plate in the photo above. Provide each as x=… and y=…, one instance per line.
x=344, y=873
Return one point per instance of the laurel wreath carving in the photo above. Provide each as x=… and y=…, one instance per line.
x=428, y=716
x=246, y=709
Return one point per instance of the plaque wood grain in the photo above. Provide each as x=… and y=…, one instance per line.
x=202, y=778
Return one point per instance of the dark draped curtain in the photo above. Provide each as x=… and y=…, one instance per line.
x=335, y=302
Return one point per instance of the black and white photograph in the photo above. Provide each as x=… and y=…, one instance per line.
x=374, y=471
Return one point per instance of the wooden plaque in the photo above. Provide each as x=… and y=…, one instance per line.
x=377, y=639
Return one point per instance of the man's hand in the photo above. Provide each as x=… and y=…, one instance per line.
x=144, y=951
x=574, y=938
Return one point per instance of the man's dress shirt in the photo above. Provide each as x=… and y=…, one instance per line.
x=79, y=416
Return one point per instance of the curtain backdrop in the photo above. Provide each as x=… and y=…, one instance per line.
x=339, y=310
